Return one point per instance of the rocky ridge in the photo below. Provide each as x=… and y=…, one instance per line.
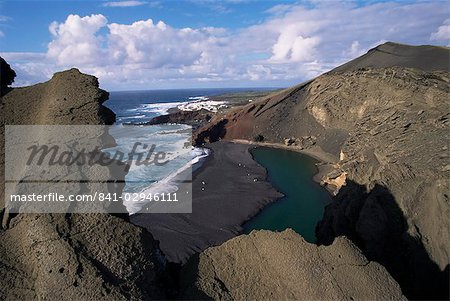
x=71, y=256
x=266, y=265
x=192, y=118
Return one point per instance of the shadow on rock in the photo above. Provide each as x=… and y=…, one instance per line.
x=374, y=221
x=187, y=290
x=212, y=134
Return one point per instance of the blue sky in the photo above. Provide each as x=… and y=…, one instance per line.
x=205, y=43
x=37, y=15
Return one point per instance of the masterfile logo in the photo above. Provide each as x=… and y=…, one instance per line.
x=115, y=169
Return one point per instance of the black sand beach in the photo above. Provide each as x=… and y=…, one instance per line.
x=228, y=190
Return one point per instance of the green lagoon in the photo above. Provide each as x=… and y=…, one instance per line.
x=303, y=204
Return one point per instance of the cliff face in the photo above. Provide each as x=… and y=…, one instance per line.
x=69, y=98
x=71, y=256
x=387, y=126
x=265, y=265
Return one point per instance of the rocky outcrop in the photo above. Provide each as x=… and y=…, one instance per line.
x=7, y=76
x=71, y=256
x=193, y=118
x=388, y=123
x=334, y=181
x=396, y=123
x=69, y=98
x=265, y=265
x=373, y=219
x=76, y=257
x=302, y=142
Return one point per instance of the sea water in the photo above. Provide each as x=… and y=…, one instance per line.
x=141, y=106
x=174, y=140
x=304, y=200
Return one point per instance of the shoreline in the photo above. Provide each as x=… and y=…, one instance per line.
x=325, y=164
x=183, y=235
x=315, y=152
x=228, y=189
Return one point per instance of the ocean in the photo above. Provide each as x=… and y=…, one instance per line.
x=173, y=139
x=140, y=106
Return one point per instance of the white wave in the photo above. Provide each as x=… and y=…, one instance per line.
x=159, y=108
x=168, y=184
x=171, y=140
x=199, y=153
x=134, y=117
x=198, y=98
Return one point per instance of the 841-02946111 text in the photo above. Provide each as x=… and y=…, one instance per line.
x=97, y=196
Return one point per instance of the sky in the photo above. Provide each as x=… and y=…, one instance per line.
x=139, y=44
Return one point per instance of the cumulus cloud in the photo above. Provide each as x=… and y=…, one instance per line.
x=292, y=47
x=294, y=43
x=157, y=45
x=442, y=33
x=75, y=42
x=123, y=3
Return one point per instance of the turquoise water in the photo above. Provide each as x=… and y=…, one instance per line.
x=303, y=204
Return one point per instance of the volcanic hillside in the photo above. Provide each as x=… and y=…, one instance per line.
x=385, y=118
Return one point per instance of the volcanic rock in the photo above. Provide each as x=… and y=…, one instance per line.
x=87, y=256
x=386, y=116
x=266, y=265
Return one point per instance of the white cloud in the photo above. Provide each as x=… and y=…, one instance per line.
x=293, y=44
x=123, y=3
x=30, y=67
x=291, y=47
x=142, y=44
x=442, y=33
x=76, y=41
x=356, y=50
x=315, y=39
x=257, y=72
x=156, y=45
